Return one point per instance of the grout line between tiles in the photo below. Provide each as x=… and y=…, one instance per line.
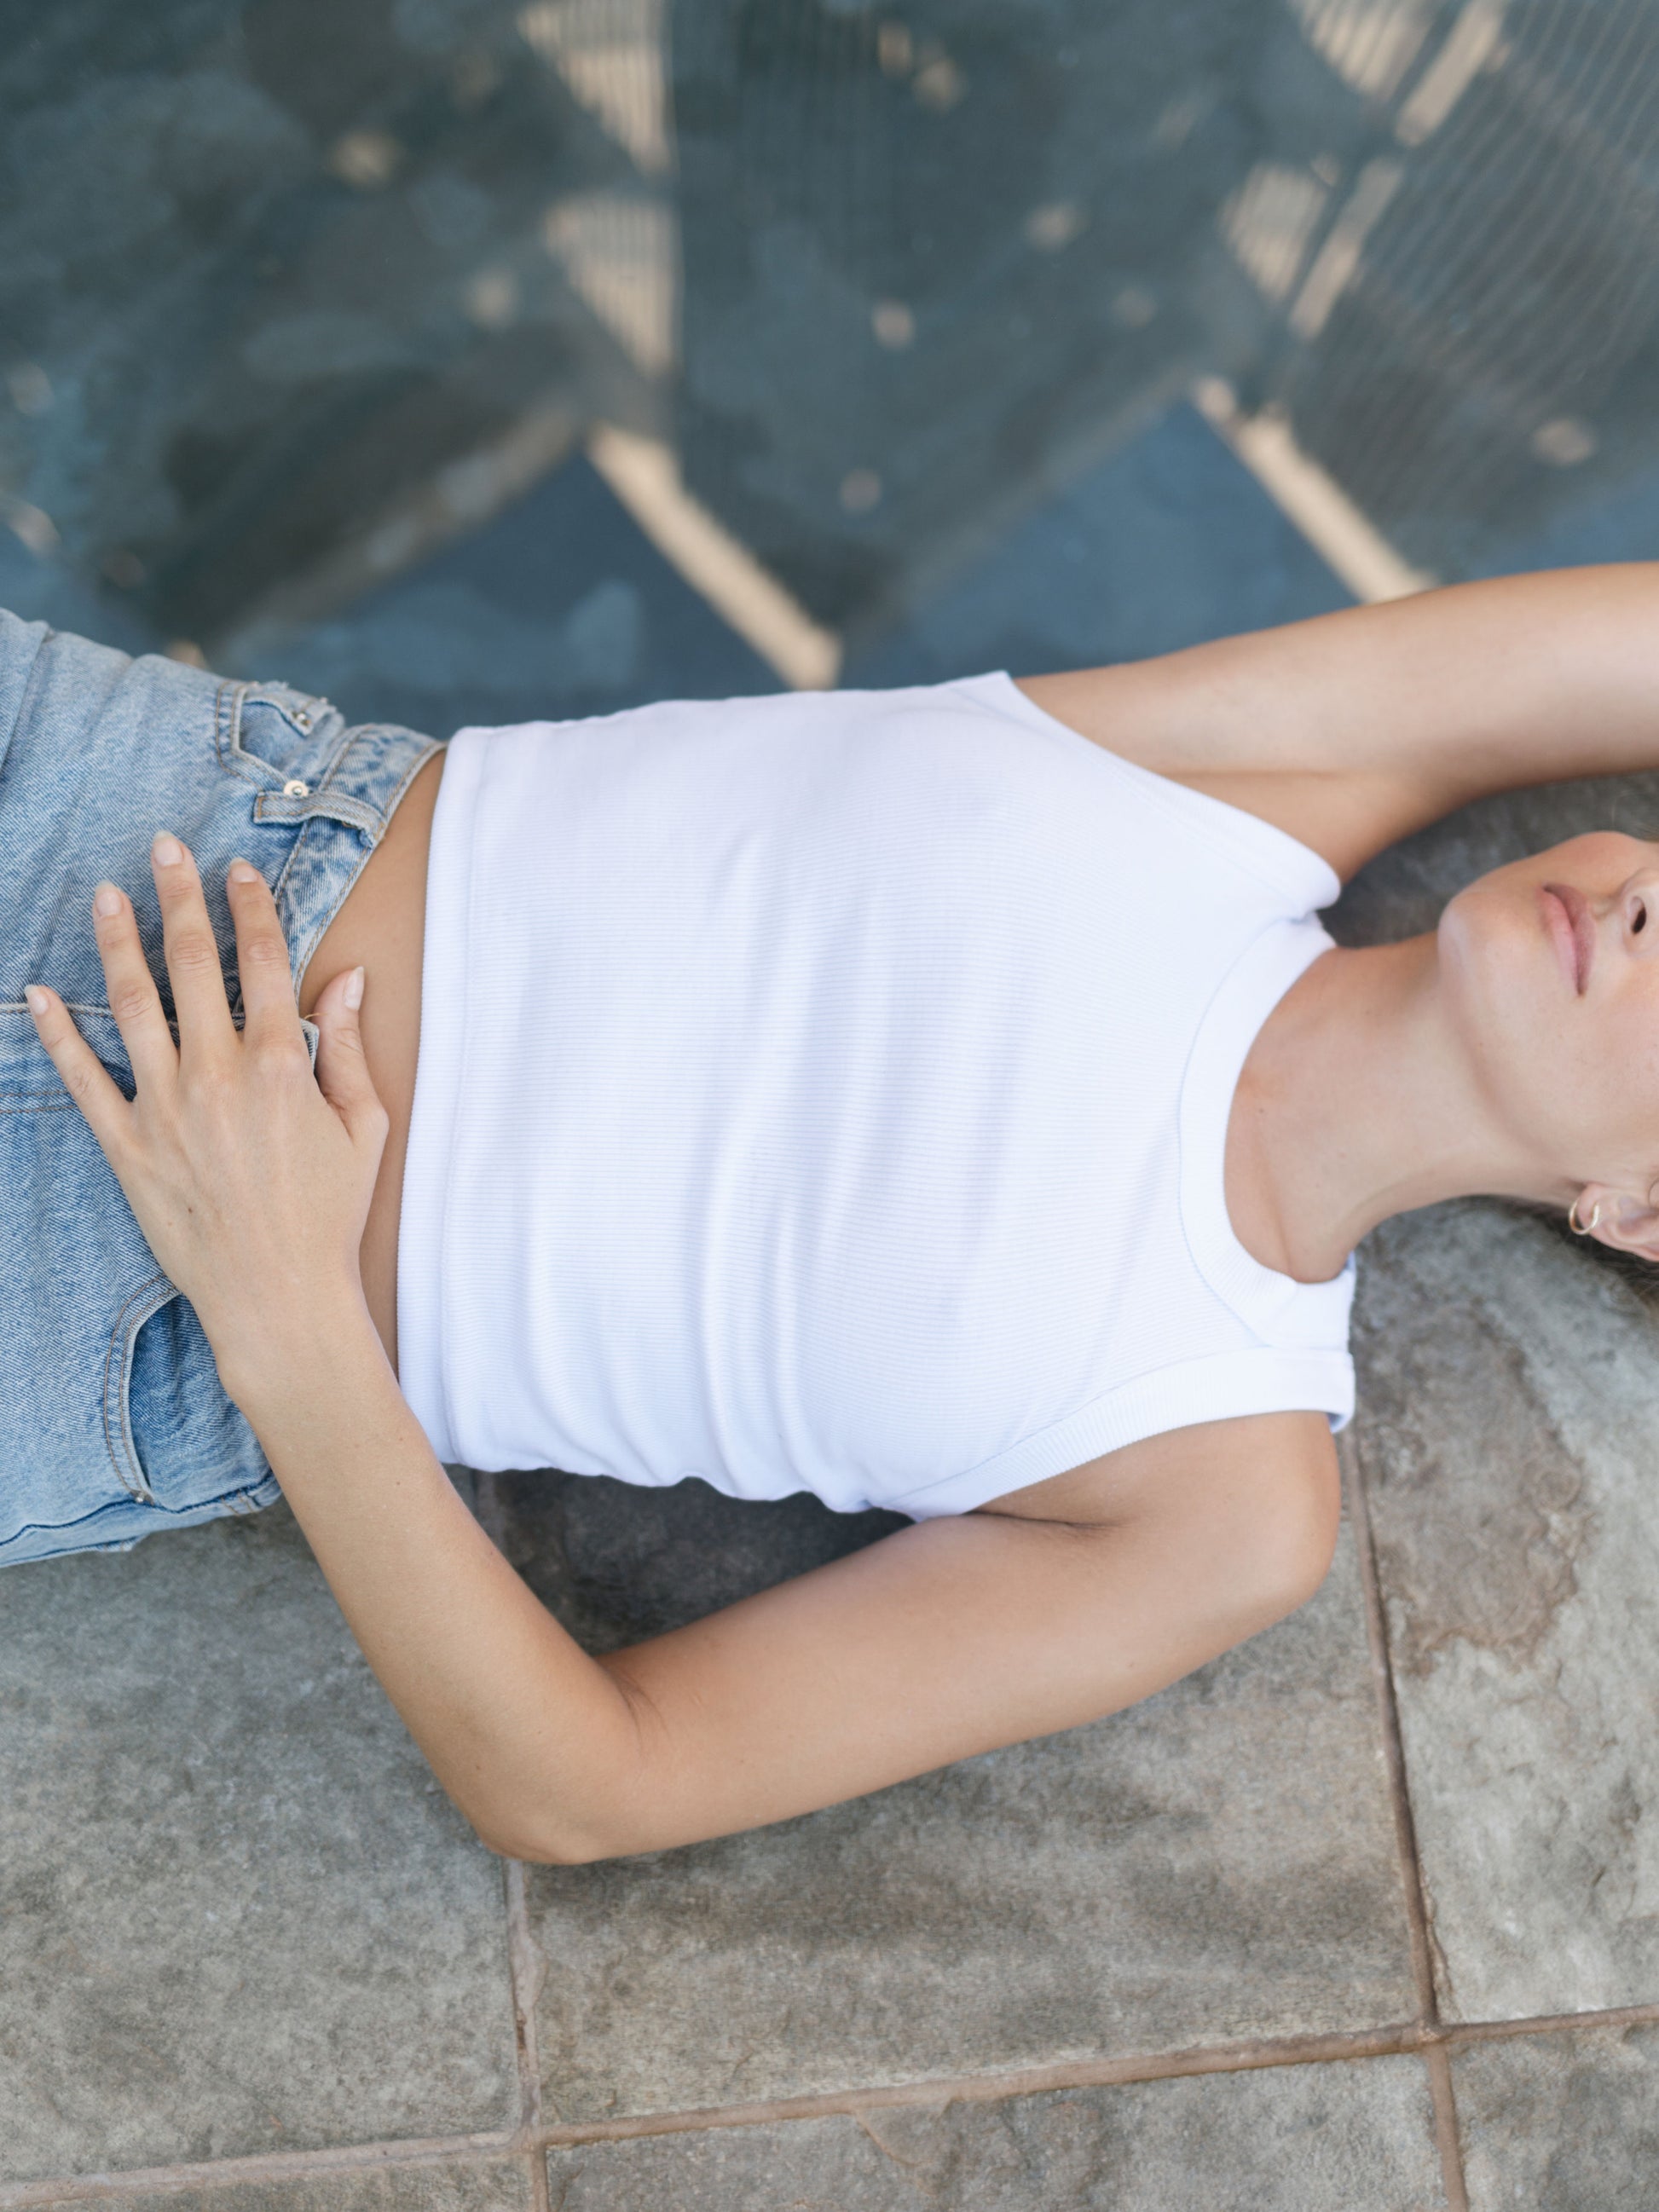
x=494, y=2148
x=1546, y=2023
x=1399, y=2038
x=526, y=1967
x=988, y=2088
x=1405, y=1826
x=541, y=2197
x=1436, y=2061
x=1442, y=2095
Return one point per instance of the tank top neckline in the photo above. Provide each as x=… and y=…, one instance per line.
x=1279, y=1307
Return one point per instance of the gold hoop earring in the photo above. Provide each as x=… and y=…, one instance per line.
x=1583, y=1228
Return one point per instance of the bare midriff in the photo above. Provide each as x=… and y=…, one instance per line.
x=382, y=925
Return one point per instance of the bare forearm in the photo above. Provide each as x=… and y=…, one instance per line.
x=509, y=1710
x=946, y=1640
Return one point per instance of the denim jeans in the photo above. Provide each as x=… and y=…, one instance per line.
x=112, y=1419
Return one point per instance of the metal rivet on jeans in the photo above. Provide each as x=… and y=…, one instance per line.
x=303, y=718
x=295, y=789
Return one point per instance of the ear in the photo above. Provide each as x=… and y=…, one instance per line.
x=1620, y=1218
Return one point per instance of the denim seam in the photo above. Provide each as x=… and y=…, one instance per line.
x=143, y=1492
x=27, y=701
x=343, y=807
x=44, y=1101
x=265, y=1491
x=302, y=954
x=277, y=808
x=229, y=695
x=239, y=761
x=71, y=1006
x=235, y=762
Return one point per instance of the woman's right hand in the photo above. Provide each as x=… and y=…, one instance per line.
x=250, y=1178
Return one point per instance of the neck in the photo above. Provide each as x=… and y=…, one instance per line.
x=1356, y=1102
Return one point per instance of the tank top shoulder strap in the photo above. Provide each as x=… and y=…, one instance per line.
x=1298, y=879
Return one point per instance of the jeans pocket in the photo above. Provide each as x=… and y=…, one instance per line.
x=279, y=740
x=112, y=1418
x=179, y=1444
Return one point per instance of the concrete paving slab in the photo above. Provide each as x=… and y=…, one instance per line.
x=1291, y=2139
x=1217, y=1864
x=1510, y=1401
x=1564, y=2123
x=470, y=2185
x=1507, y=1406
x=236, y=1915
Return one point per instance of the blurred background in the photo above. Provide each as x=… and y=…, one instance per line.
x=470, y=360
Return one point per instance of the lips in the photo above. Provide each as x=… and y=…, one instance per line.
x=1573, y=926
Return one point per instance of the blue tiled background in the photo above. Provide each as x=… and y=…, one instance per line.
x=562, y=606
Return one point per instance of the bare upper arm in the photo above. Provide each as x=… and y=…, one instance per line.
x=1265, y=721
x=1352, y=729
x=1055, y=1606
x=1190, y=1470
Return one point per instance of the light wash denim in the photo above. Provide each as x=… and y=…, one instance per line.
x=113, y=1420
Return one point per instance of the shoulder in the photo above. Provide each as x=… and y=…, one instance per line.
x=1321, y=727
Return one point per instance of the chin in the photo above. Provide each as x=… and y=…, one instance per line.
x=1492, y=933
x=1501, y=985
x=1500, y=979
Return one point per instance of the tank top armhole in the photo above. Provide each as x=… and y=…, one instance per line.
x=1260, y=1379
x=1304, y=881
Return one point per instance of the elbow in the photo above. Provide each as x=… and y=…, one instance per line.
x=1295, y=1549
x=1273, y=1553
x=564, y=1854
x=542, y=1850
x=1301, y=1569
x=535, y=1841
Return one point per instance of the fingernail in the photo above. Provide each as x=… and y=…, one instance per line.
x=353, y=993
x=244, y=871
x=36, y=997
x=107, y=900
x=167, y=851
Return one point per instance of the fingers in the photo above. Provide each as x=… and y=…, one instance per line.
x=85, y=1077
x=130, y=988
x=192, y=952
x=270, y=1012
x=341, y=1068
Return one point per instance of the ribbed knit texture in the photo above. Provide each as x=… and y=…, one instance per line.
x=830, y=1092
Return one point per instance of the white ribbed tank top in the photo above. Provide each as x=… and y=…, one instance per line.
x=831, y=1091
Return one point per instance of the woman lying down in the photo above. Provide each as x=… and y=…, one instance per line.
x=942, y=1099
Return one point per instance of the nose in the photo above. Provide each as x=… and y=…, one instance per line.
x=1638, y=913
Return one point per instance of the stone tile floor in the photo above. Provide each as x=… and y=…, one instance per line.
x=1361, y=1917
